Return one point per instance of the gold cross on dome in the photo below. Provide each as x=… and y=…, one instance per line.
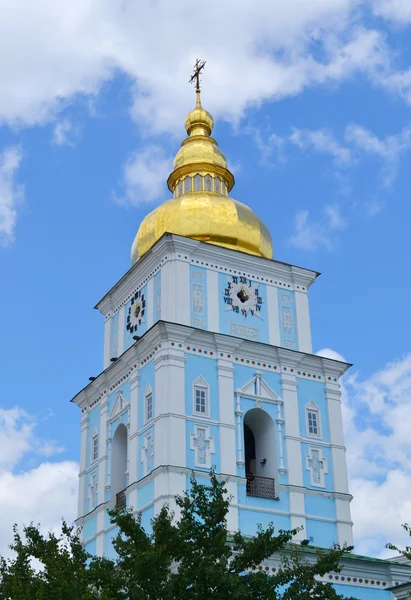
x=198, y=67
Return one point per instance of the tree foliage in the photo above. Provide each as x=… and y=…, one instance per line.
x=192, y=557
x=406, y=552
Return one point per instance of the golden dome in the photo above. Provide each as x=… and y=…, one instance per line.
x=201, y=208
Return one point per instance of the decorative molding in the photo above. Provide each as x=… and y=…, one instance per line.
x=121, y=404
x=203, y=445
x=317, y=465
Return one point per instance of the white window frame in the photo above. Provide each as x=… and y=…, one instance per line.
x=147, y=394
x=94, y=437
x=201, y=385
x=312, y=407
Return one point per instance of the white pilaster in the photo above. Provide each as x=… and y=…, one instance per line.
x=344, y=523
x=303, y=321
x=333, y=394
x=102, y=452
x=150, y=302
x=83, y=464
x=226, y=405
x=107, y=334
x=213, y=301
x=292, y=429
x=297, y=512
x=272, y=310
x=121, y=328
x=180, y=292
x=170, y=435
x=133, y=439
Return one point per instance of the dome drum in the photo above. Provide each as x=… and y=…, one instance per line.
x=202, y=169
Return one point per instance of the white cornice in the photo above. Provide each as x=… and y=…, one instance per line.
x=160, y=334
x=172, y=247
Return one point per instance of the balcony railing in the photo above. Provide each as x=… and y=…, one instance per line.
x=261, y=487
x=121, y=501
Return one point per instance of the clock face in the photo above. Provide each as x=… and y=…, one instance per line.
x=241, y=296
x=136, y=312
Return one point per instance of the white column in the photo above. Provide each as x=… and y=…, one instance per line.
x=292, y=429
x=213, y=301
x=83, y=464
x=179, y=292
x=226, y=404
x=272, y=310
x=303, y=321
x=107, y=335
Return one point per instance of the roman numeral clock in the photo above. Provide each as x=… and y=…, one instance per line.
x=241, y=296
x=136, y=312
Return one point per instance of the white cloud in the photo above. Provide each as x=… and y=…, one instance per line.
x=43, y=494
x=11, y=193
x=376, y=423
x=64, y=133
x=389, y=149
x=314, y=234
x=254, y=53
x=393, y=10
x=144, y=176
x=321, y=141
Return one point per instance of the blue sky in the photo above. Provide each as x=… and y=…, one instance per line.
x=312, y=108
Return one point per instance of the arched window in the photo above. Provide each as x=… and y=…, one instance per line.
x=198, y=183
x=119, y=465
x=148, y=404
x=217, y=185
x=201, y=401
x=313, y=420
x=223, y=188
x=208, y=183
x=260, y=453
x=187, y=184
x=180, y=188
x=94, y=446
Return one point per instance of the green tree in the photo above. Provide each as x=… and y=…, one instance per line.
x=193, y=558
x=406, y=552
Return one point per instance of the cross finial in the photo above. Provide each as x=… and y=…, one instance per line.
x=198, y=67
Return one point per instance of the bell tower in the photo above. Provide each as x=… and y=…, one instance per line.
x=208, y=362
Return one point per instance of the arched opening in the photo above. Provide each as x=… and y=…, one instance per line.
x=260, y=453
x=119, y=466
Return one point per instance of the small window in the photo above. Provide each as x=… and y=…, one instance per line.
x=149, y=406
x=223, y=188
x=198, y=183
x=180, y=188
x=208, y=183
x=201, y=397
x=217, y=185
x=201, y=401
x=187, y=184
x=313, y=420
x=95, y=447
